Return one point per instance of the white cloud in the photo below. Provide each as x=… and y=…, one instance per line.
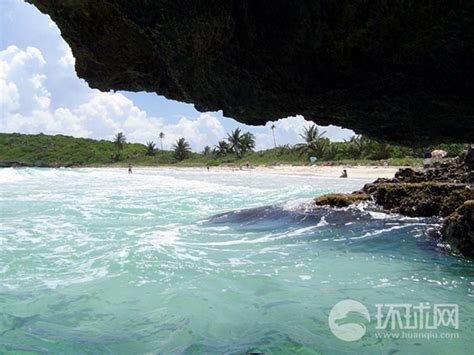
x=52, y=24
x=9, y=96
x=100, y=115
x=67, y=60
x=28, y=106
x=41, y=95
x=13, y=58
x=21, y=82
x=205, y=130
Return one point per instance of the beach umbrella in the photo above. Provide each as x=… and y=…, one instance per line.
x=439, y=153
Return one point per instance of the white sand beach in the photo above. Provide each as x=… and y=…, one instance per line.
x=325, y=171
x=334, y=171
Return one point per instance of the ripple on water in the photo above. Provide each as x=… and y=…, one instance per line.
x=188, y=261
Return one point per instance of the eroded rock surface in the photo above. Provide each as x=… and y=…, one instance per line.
x=422, y=199
x=341, y=199
x=400, y=71
x=444, y=191
x=458, y=229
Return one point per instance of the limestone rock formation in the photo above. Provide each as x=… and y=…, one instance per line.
x=444, y=191
x=340, y=199
x=468, y=160
x=397, y=70
x=458, y=229
x=423, y=199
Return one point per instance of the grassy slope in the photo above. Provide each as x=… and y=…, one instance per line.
x=43, y=149
x=62, y=150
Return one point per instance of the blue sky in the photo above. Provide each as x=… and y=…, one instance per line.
x=40, y=92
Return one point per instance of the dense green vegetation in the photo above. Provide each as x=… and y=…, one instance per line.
x=236, y=149
x=41, y=149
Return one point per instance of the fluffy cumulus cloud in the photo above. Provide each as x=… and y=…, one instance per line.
x=19, y=78
x=27, y=107
x=205, y=130
x=67, y=60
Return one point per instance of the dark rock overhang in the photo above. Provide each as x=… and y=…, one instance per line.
x=396, y=70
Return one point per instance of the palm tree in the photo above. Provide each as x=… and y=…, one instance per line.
x=241, y=143
x=181, y=149
x=222, y=148
x=162, y=136
x=273, y=132
x=206, y=151
x=120, y=140
x=235, y=139
x=248, y=142
x=315, y=144
x=376, y=150
x=357, y=146
x=331, y=151
x=150, y=149
x=284, y=149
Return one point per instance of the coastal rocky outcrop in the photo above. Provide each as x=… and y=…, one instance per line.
x=420, y=199
x=444, y=190
x=458, y=229
x=341, y=200
x=396, y=70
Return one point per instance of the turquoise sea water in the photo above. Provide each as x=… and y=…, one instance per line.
x=180, y=261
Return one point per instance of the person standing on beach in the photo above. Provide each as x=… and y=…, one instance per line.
x=344, y=174
x=130, y=168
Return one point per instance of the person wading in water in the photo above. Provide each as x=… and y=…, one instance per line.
x=130, y=168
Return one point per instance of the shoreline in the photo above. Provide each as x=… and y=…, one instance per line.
x=359, y=171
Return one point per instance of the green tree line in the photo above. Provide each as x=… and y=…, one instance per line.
x=237, y=147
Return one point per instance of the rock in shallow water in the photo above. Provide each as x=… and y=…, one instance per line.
x=340, y=200
x=424, y=199
x=445, y=190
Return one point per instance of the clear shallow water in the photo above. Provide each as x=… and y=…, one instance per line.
x=97, y=261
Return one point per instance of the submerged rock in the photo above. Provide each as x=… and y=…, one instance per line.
x=458, y=229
